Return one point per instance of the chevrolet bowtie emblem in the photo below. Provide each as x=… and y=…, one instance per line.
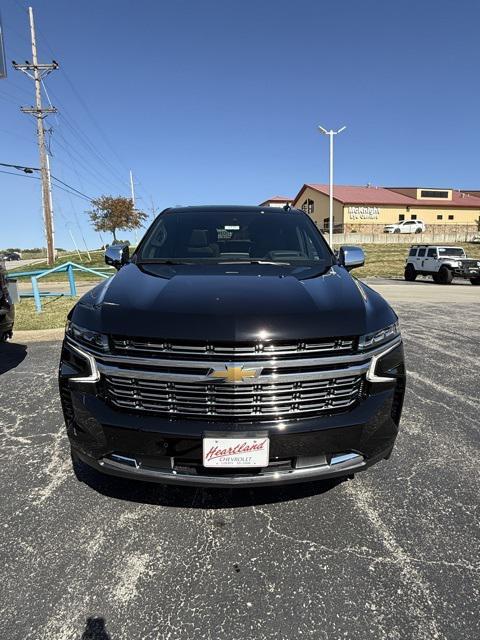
x=234, y=373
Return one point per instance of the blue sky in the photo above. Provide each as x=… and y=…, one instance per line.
x=217, y=101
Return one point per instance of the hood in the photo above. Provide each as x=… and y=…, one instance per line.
x=232, y=303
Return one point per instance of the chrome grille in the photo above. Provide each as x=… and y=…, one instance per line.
x=241, y=400
x=144, y=347
x=218, y=387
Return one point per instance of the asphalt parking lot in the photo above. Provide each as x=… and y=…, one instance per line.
x=392, y=554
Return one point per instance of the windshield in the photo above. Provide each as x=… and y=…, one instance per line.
x=451, y=251
x=219, y=237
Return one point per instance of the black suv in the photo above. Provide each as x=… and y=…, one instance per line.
x=232, y=349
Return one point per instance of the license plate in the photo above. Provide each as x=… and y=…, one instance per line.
x=235, y=452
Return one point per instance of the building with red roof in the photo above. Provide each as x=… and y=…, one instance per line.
x=357, y=206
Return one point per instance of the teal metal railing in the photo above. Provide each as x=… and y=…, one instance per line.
x=69, y=268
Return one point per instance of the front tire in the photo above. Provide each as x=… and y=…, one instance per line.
x=396, y=231
x=77, y=465
x=410, y=273
x=445, y=276
x=418, y=231
x=475, y=281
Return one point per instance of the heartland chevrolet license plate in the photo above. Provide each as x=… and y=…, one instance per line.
x=235, y=452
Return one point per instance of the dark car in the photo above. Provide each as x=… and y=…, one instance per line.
x=12, y=256
x=232, y=349
x=7, y=309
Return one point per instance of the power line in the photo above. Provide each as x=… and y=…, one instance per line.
x=80, y=135
x=19, y=175
x=71, y=190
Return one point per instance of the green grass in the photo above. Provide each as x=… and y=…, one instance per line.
x=381, y=261
x=53, y=316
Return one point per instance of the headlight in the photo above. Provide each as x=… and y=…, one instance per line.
x=387, y=365
x=460, y=263
x=86, y=336
x=375, y=339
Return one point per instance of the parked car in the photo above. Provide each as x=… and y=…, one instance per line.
x=443, y=263
x=7, y=308
x=232, y=349
x=12, y=256
x=405, y=226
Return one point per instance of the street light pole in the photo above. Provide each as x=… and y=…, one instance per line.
x=331, y=133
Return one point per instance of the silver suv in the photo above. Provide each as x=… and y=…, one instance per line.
x=441, y=262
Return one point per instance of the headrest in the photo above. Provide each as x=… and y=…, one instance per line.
x=198, y=238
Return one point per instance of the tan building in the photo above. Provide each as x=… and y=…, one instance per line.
x=276, y=201
x=356, y=207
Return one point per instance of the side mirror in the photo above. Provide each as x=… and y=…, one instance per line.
x=351, y=257
x=117, y=255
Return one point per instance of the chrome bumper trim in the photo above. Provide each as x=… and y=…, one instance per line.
x=341, y=466
x=301, y=376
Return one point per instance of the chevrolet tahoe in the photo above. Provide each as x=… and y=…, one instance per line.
x=233, y=348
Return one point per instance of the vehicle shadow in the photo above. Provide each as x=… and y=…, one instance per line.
x=198, y=497
x=11, y=355
x=95, y=630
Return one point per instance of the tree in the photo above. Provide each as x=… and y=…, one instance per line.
x=110, y=214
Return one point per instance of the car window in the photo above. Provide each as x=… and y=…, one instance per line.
x=241, y=236
x=410, y=222
x=421, y=253
x=413, y=252
x=432, y=253
x=451, y=251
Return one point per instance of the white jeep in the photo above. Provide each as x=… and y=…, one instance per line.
x=405, y=226
x=443, y=263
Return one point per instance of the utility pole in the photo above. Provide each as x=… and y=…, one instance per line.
x=37, y=71
x=331, y=133
x=153, y=209
x=132, y=189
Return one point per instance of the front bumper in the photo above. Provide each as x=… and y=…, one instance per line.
x=466, y=273
x=157, y=449
x=339, y=466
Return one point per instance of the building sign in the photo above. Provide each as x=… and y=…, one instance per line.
x=3, y=66
x=363, y=213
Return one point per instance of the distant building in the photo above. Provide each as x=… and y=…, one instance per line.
x=276, y=201
x=356, y=206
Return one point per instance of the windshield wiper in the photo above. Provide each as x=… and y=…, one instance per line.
x=169, y=262
x=285, y=264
